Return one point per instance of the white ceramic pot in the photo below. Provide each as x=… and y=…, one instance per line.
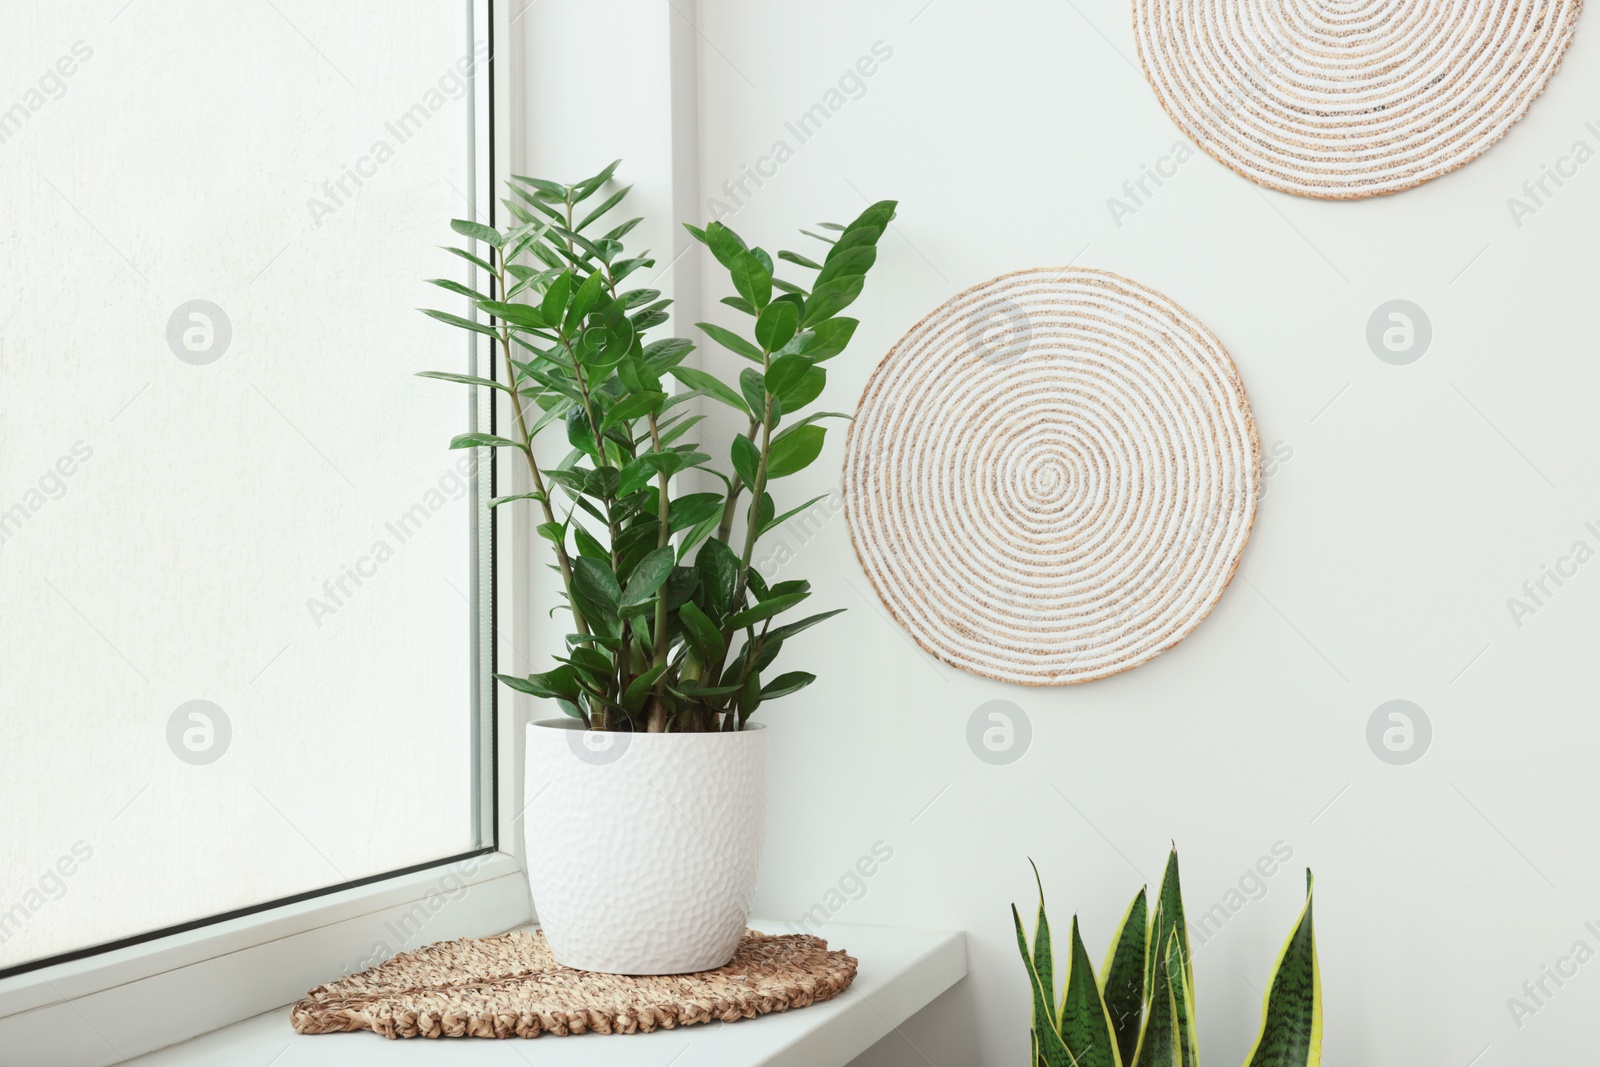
x=643, y=849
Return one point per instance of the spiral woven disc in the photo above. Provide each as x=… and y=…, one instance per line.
x=1344, y=99
x=1051, y=478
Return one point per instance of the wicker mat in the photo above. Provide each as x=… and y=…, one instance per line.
x=510, y=986
x=1340, y=99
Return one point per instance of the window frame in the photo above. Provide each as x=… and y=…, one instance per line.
x=74, y=1006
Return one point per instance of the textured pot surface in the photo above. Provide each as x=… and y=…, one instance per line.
x=643, y=849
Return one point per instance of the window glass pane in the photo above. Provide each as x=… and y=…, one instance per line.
x=235, y=552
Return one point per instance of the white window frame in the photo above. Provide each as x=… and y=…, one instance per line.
x=110, y=1005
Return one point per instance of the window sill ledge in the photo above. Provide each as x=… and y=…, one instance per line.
x=901, y=972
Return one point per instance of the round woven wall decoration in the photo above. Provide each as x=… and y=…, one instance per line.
x=1051, y=478
x=1343, y=99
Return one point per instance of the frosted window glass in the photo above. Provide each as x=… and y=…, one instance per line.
x=235, y=553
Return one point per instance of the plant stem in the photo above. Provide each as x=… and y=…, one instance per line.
x=658, y=709
x=735, y=487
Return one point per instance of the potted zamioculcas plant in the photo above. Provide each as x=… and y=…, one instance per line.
x=646, y=802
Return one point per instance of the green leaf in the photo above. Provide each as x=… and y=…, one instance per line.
x=709, y=647
x=770, y=523
x=739, y=303
x=524, y=315
x=754, y=387
x=1043, y=956
x=718, y=568
x=1168, y=918
x=648, y=577
x=584, y=189
x=828, y=300
x=788, y=630
x=560, y=683
x=786, y=372
x=731, y=341
x=695, y=378
x=550, y=190
x=830, y=337
x=593, y=581
x=481, y=440
x=798, y=260
x=777, y=324
x=843, y=263
x=693, y=509
x=638, y=690
x=555, y=297
x=477, y=231
x=458, y=288
x=784, y=684
x=794, y=450
x=764, y=610
x=804, y=391
x=605, y=205
x=1085, y=1026
x=584, y=300
x=464, y=379
x=746, y=460
x=631, y=408
x=458, y=321
x=752, y=279
x=1051, y=1048
x=723, y=242
x=469, y=257
x=1158, y=1044
x=1122, y=976
x=1291, y=1012
x=497, y=501
x=663, y=355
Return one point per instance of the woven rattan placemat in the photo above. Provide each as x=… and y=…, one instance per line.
x=1342, y=100
x=1051, y=478
x=511, y=986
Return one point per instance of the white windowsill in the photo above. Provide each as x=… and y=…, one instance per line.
x=901, y=971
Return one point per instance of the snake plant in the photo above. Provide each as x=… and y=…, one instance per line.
x=1140, y=1013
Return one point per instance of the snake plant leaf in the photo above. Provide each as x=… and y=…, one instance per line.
x=1043, y=960
x=1158, y=1041
x=1169, y=906
x=1085, y=1024
x=1052, y=1051
x=1291, y=1013
x=1122, y=976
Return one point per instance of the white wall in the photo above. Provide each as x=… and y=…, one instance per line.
x=1409, y=503
x=1385, y=551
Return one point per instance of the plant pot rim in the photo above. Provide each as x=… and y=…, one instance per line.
x=571, y=724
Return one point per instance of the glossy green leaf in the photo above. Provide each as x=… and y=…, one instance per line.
x=746, y=459
x=1122, y=975
x=458, y=321
x=703, y=635
x=828, y=300
x=477, y=231
x=631, y=408
x=731, y=341
x=777, y=324
x=1043, y=952
x=481, y=440
x=752, y=279
x=594, y=581
x=1158, y=1039
x=463, y=379
x=648, y=577
x=1085, y=1026
x=1051, y=1048
x=830, y=337
x=794, y=450
x=784, y=684
x=788, y=630
x=786, y=372
x=554, y=305
x=1291, y=1012
x=718, y=568
x=711, y=385
x=764, y=610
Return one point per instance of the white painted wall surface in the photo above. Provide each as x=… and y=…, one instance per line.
x=1407, y=504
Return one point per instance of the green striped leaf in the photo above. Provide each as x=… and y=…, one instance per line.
x=1170, y=910
x=1052, y=1051
x=1291, y=1013
x=1122, y=976
x=1085, y=1025
x=1158, y=1041
x=1043, y=959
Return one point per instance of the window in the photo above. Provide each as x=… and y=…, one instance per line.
x=247, y=589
